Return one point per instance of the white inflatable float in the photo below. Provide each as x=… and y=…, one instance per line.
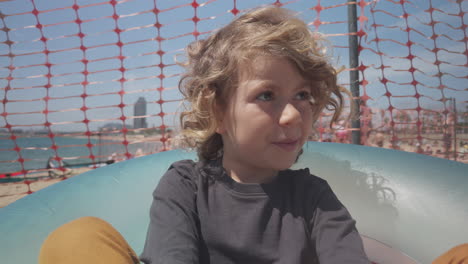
x=410, y=208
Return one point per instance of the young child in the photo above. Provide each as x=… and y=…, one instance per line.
x=254, y=89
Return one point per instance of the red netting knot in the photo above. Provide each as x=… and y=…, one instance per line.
x=278, y=3
x=318, y=8
x=364, y=98
x=361, y=33
x=317, y=22
x=159, y=39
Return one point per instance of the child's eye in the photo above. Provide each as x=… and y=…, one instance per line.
x=265, y=96
x=303, y=95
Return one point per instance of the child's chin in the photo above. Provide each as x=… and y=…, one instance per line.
x=284, y=165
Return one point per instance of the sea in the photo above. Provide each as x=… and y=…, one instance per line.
x=36, y=151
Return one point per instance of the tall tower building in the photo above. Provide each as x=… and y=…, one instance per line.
x=140, y=110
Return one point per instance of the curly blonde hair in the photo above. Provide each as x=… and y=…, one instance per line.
x=213, y=63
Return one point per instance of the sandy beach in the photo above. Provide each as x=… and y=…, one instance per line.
x=12, y=191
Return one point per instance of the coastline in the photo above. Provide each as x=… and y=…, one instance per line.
x=13, y=191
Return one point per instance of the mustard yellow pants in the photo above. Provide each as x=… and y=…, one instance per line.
x=86, y=240
x=93, y=240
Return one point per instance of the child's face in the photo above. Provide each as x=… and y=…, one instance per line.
x=267, y=120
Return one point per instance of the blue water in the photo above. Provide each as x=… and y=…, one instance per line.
x=73, y=150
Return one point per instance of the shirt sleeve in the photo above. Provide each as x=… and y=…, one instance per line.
x=172, y=235
x=334, y=232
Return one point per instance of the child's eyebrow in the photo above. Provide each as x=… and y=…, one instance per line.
x=259, y=85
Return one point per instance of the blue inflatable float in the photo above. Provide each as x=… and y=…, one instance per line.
x=410, y=203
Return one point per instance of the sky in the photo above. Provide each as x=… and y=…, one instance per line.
x=24, y=103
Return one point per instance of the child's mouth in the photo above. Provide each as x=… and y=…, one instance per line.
x=289, y=145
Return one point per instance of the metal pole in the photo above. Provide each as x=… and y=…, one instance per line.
x=354, y=74
x=455, y=123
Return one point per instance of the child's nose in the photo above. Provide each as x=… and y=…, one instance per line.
x=289, y=116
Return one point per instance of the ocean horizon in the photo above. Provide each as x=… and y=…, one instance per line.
x=74, y=151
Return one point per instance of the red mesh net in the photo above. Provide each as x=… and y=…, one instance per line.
x=85, y=83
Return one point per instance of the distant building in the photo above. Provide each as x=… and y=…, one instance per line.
x=140, y=110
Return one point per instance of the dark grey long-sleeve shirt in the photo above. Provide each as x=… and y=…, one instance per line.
x=200, y=215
